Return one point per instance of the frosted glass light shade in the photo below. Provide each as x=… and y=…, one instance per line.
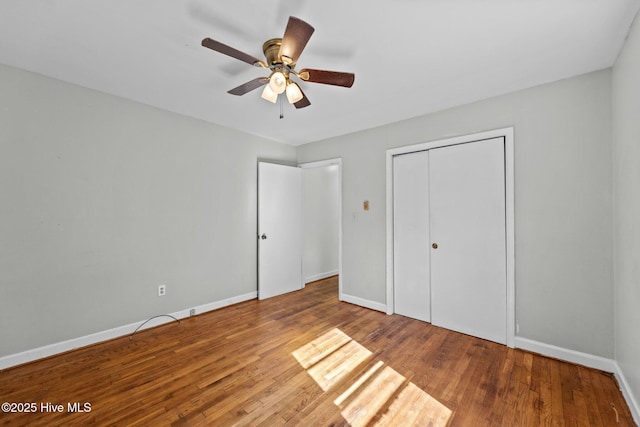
x=278, y=82
x=294, y=94
x=269, y=95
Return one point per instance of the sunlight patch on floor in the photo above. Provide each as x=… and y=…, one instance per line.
x=367, y=394
x=358, y=383
x=331, y=357
x=415, y=407
x=338, y=365
x=311, y=353
x=371, y=399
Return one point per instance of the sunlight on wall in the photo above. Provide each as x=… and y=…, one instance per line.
x=379, y=394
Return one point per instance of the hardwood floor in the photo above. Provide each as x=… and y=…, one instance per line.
x=306, y=359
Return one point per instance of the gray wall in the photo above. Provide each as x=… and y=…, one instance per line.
x=321, y=214
x=626, y=132
x=103, y=199
x=563, y=214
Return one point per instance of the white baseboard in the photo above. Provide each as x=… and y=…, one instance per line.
x=632, y=402
x=373, y=305
x=223, y=303
x=585, y=359
x=320, y=276
x=61, y=347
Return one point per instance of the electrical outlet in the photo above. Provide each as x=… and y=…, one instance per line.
x=162, y=290
x=192, y=312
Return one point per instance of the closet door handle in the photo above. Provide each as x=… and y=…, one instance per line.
x=434, y=246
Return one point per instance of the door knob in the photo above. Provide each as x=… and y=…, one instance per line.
x=263, y=237
x=434, y=246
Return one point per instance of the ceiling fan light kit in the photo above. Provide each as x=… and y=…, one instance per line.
x=278, y=82
x=281, y=58
x=294, y=94
x=269, y=94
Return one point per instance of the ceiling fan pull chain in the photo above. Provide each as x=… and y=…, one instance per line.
x=281, y=109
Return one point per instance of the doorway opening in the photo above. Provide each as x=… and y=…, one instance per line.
x=322, y=221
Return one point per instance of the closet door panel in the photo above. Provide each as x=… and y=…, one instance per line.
x=411, y=235
x=468, y=252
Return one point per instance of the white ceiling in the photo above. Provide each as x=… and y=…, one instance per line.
x=410, y=57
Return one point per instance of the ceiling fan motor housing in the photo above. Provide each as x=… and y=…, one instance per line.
x=271, y=49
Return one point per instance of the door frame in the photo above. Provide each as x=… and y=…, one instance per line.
x=324, y=163
x=507, y=134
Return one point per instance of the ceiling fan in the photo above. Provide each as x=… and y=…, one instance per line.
x=281, y=56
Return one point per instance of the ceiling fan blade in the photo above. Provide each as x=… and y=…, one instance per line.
x=295, y=38
x=335, y=78
x=304, y=102
x=228, y=50
x=248, y=86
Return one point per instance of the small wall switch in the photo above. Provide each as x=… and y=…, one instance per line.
x=365, y=205
x=162, y=290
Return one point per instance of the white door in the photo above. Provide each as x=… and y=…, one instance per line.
x=468, y=266
x=279, y=229
x=411, y=244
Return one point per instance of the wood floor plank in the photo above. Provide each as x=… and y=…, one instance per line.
x=307, y=359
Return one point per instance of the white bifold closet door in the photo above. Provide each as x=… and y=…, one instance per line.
x=411, y=243
x=468, y=268
x=464, y=227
